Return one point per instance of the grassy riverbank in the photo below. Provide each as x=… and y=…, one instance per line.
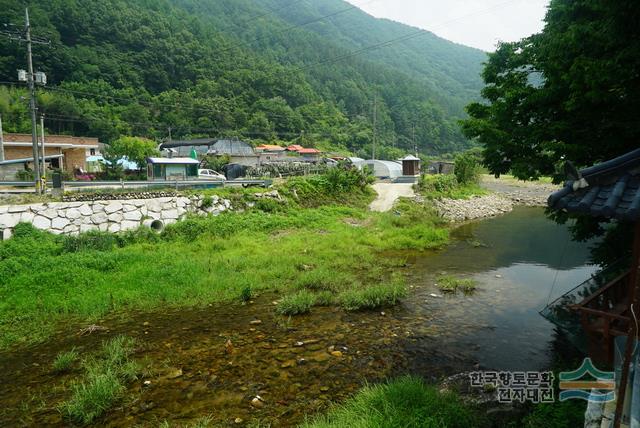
x=326, y=255
x=406, y=402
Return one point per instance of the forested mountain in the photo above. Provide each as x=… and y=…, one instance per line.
x=262, y=70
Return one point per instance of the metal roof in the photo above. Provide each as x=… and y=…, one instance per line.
x=181, y=143
x=609, y=190
x=410, y=158
x=233, y=147
x=173, y=161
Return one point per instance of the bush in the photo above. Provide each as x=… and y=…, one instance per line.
x=467, y=169
x=296, y=304
x=207, y=202
x=373, y=297
x=438, y=183
x=24, y=175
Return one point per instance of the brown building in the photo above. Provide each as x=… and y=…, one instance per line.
x=61, y=152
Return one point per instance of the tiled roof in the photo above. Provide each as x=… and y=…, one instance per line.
x=308, y=151
x=609, y=190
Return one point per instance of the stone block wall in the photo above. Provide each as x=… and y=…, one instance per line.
x=107, y=216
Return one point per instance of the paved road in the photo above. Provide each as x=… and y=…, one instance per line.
x=388, y=194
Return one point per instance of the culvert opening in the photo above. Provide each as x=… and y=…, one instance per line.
x=157, y=225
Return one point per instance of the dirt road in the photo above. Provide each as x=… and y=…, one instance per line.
x=388, y=194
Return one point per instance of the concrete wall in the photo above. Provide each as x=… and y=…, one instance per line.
x=113, y=216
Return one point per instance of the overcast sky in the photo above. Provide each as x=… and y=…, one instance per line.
x=477, y=23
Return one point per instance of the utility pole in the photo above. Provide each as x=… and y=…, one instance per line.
x=44, y=159
x=31, y=78
x=32, y=104
x=1, y=141
x=415, y=145
x=375, y=126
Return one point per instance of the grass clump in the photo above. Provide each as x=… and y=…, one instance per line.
x=386, y=294
x=451, y=284
x=406, y=402
x=64, y=361
x=103, y=382
x=296, y=304
x=92, y=397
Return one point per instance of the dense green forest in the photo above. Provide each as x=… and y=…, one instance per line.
x=268, y=70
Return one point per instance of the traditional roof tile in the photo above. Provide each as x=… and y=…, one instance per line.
x=607, y=190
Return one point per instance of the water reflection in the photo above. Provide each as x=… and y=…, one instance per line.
x=521, y=262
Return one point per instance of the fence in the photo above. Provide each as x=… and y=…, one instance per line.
x=83, y=186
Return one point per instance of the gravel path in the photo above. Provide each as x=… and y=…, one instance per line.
x=388, y=194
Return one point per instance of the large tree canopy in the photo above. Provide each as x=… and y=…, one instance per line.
x=571, y=92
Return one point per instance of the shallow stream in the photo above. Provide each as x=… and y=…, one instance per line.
x=299, y=366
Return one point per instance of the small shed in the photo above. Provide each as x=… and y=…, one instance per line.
x=410, y=166
x=172, y=169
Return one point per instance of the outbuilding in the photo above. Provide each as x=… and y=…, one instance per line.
x=172, y=169
x=385, y=169
x=410, y=166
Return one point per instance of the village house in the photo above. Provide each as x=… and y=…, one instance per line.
x=62, y=152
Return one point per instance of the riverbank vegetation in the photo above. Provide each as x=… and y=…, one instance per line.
x=406, y=402
x=288, y=250
x=103, y=381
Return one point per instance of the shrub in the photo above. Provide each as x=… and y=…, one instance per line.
x=90, y=241
x=296, y=304
x=24, y=175
x=207, y=202
x=467, y=169
x=373, y=297
x=442, y=183
x=246, y=294
x=269, y=205
x=64, y=361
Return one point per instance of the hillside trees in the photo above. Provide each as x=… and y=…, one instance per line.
x=209, y=68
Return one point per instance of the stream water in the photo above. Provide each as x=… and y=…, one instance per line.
x=515, y=259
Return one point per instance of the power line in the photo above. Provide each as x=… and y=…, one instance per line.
x=293, y=27
x=390, y=42
x=269, y=12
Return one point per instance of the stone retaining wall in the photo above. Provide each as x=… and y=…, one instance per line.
x=112, y=216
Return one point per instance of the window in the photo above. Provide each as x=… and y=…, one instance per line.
x=92, y=152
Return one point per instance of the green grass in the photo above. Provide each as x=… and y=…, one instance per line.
x=296, y=304
x=447, y=186
x=373, y=297
x=64, y=361
x=236, y=256
x=451, y=284
x=103, y=383
x=406, y=402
